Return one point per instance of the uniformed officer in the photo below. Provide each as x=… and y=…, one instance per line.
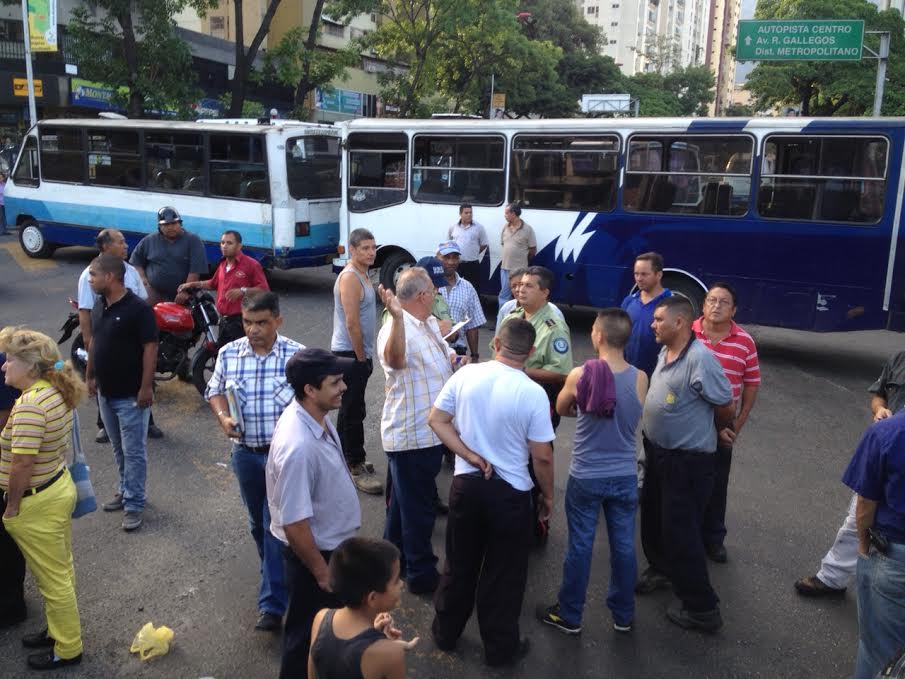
x=551, y=361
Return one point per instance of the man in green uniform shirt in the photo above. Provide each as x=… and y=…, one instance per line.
x=551, y=360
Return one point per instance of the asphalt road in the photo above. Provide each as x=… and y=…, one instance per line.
x=193, y=566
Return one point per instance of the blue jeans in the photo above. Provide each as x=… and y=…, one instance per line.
x=249, y=469
x=505, y=293
x=618, y=496
x=412, y=511
x=127, y=427
x=881, y=609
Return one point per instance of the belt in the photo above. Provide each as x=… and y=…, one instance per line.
x=38, y=489
x=263, y=450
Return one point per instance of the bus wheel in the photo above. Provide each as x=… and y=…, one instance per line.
x=687, y=288
x=32, y=240
x=394, y=265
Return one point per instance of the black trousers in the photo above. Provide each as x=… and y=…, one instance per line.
x=677, y=487
x=12, y=574
x=306, y=598
x=471, y=272
x=488, y=539
x=351, y=416
x=715, y=512
x=230, y=328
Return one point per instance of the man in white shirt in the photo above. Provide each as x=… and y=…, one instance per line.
x=109, y=242
x=312, y=499
x=472, y=240
x=493, y=417
x=417, y=362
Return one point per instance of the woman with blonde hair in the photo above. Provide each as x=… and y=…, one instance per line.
x=39, y=492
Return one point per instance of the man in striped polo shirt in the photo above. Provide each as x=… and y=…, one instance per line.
x=737, y=354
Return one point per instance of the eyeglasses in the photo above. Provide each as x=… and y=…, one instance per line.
x=713, y=301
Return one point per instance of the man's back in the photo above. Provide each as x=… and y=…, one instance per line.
x=497, y=410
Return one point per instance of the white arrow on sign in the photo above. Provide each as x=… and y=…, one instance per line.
x=748, y=41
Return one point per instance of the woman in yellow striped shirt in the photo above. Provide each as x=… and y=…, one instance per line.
x=40, y=494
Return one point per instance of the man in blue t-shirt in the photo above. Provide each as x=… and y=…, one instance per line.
x=642, y=348
x=12, y=564
x=877, y=475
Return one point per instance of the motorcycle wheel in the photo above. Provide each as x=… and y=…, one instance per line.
x=203, y=363
x=77, y=362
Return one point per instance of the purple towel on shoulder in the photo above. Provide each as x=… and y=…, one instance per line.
x=596, y=390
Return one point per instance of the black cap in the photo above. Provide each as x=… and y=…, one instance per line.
x=309, y=365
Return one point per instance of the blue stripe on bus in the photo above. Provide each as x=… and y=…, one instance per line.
x=72, y=224
x=718, y=125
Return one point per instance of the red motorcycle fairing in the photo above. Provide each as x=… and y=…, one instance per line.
x=172, y=317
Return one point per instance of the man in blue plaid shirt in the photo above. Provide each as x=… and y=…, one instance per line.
x=252, y=370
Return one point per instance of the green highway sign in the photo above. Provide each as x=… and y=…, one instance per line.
x=800, y=40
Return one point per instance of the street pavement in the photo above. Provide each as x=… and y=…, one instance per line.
x=194, y=568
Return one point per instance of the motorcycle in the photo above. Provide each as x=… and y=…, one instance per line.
x=179, y=330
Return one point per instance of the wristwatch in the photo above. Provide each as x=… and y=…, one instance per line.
x=243, y=290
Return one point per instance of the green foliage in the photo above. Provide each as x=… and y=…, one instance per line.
x=250, y=109
x=842, y=88
x=682, y=92
x=739, y=111
x=134, y=46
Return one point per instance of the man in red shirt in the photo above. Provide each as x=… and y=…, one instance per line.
x=735, y=350
x=236, y=276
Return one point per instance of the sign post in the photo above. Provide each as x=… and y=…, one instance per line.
x=26, y=29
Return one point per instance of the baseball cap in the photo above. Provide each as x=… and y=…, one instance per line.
x=434, y=268
x=448, y=248
x=309, y=365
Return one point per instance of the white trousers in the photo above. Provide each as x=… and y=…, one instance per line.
x=838, y=566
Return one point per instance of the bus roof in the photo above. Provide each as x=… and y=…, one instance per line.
x=590, y=125
x=184, y=125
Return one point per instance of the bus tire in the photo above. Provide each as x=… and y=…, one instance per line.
x=687, y=288
x=33, y=242
x=394, y=265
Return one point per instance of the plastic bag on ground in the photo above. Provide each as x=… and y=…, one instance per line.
x=151, y=642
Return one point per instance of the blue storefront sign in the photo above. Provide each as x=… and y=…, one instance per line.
x=339, y=101
x=92, y=95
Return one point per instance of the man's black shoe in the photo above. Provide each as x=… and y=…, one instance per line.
x=424, y=586
x=101, y=436
x=705, y=621
x=652, y=580
x=269, y=622
x=38, y=640
x=717, y=553
x=47, y=661
x=524, y=646
x=154, y=432
x=812, y=586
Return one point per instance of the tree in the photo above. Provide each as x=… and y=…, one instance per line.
x=663, y=54
x=739, y=111
x=683, y=92
x=133, y=48
x=245, y=58
x=831, y=88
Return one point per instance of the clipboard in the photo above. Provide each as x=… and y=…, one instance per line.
x=456, y=328
x=235, y=411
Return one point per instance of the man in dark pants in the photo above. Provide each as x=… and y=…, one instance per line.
x=313, y=503
x=688, y=401
x=493, y=417
x=12, y=563
x=354, y=333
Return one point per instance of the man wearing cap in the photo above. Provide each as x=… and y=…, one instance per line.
x=169, y=258
x=417, y=362
x=254, y=370
x=312, y=499
x=471, y=238
x=462, y=298
x=237, y=276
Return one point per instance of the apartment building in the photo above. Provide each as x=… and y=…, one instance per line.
x=724, y=17
x=220, y=22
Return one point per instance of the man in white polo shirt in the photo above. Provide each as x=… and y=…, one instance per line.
x=312, y=500
x=472, y=240
x=493, y=417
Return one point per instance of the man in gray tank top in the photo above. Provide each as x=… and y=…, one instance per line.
x=606, y=396
x=354, y=333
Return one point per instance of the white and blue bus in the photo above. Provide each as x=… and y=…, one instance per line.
x=802, y=216
x=277, y=184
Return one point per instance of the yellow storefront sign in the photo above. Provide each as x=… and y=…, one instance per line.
x=20, y=87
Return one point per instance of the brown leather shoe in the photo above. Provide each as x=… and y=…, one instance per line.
x=812, y=586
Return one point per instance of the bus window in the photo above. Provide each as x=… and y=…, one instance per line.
x=27, y=170
x=237, y=167
x=834, y=179
x=174, y=162
x=458, y=170
x=689, y=175
x=565, y=172
x=377, y=170
x=114, y=158
x=62, y=154
x=312, y=167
